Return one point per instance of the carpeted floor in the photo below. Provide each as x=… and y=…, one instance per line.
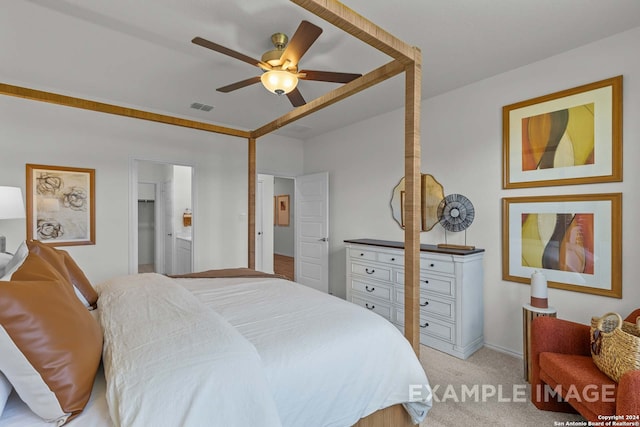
x=496, y=376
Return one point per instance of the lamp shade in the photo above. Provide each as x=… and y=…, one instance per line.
x=11, y=204
x=279, y=82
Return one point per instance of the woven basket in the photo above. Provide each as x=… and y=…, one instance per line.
x=615, y=345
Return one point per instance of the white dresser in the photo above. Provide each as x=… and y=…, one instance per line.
x=451, y=291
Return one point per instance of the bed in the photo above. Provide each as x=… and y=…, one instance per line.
x=405, y=58
x=293, y=356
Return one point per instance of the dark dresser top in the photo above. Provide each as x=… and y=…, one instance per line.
x=423, y=247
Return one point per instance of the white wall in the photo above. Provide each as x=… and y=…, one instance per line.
x=41, y=133
x=462, y=148
x=279, y=156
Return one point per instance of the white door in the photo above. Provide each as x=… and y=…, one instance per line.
x=264, y=224
x=169, y=240
x=259, y=233
x=312, y=231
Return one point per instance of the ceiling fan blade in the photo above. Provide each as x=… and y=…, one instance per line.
x=239, y=85
x=296, y=98
x=305, y=35
x=328, y=76
x=229, y=52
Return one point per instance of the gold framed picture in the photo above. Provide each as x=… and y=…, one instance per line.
x=568, y=137
x=575, y=240
x=282, y=204
x=61, y=205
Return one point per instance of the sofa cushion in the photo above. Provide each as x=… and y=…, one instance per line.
x=582, y=383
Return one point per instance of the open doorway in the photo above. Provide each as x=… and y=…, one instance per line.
x=284, y=227
x=163, y=214
x=299, y=250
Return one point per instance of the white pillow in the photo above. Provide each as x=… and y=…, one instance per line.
x=5, y=258
x=5, y=391
x=16, y=262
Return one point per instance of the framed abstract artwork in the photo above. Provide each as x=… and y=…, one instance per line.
x=568, y=137
x=575, y=240
x=282, y=203
x=61, y=205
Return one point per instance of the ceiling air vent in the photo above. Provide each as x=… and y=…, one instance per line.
x=203, y=107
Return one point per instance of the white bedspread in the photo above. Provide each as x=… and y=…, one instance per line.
x=328, y=362
x=175, y=359
x=171, y=361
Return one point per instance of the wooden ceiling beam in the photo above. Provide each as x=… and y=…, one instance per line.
x=360, y=27
x=361, y=83
x=85, y=104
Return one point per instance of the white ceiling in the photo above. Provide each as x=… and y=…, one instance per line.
x=139, y=52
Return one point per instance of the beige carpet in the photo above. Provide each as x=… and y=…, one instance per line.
x=485, y=370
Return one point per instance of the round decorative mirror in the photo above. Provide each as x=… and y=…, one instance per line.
x=432, y=195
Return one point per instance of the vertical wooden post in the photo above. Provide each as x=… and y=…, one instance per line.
x=251, y=205
x=413, y=75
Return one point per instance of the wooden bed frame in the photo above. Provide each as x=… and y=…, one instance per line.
x=404, y=58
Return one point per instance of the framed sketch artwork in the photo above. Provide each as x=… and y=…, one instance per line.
x=568, y=137
x=61, y=205
x=575, y=240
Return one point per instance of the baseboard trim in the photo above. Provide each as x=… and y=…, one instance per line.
x=503, y=350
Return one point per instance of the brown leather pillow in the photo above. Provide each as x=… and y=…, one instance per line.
x=36, y=268
x=66, y=266
x=50, y=344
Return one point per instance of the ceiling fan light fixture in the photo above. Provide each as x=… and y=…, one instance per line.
x=279, y=82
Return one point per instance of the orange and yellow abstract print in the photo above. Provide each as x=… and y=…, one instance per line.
x=562, y=138
x=558, y=241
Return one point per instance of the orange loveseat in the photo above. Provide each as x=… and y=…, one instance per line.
x=561, y=359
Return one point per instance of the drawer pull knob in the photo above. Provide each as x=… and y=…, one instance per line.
x=361, y=254
x=369, y=271
x=432, y=265
x=425, y=281
x=393, y=259
x=370, y=308
x=426, y=303
x=425, y=325
x=369, y=289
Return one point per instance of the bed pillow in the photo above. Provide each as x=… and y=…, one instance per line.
x=65, y=265
x=50, y=346
x=35, y=268
x=5, y=391
x=15, y=262
x=5, y=258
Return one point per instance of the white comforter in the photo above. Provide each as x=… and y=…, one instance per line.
x=249, y=352
x=171, y=361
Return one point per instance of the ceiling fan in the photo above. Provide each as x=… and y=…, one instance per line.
x=280, y=65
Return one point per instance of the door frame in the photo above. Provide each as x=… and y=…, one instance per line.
x=133, y=207
x=295, y=221
x=295, y=229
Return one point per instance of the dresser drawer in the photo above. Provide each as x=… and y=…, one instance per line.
x=428, y=325
x=390, y=258
x=382, y=309
x=431, y=305
x=440, y=285
x=436, y=264
x=356, y=254
x=372, y=289
x=371, y=271
x=441, y=330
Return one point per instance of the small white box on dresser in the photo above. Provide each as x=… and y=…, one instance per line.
x=451, y=291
